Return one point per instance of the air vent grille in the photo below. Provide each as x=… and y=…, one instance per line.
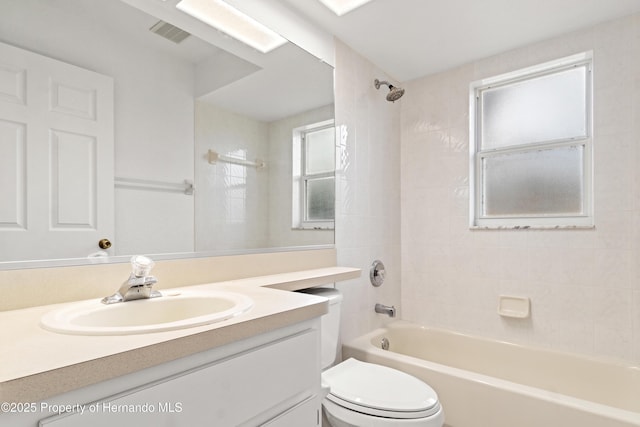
x=169, y=32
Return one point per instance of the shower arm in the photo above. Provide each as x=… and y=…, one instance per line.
x=377, y=83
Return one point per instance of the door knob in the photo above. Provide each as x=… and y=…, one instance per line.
x=104, y=244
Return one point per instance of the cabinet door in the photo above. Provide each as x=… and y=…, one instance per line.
x=305, y=414
x=56, y=157
x=247, y=389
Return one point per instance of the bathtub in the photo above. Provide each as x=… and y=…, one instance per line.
x=485, y=383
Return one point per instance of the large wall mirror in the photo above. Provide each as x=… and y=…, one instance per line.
x=211, y=140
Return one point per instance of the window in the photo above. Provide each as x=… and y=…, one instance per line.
x=314, y=176
x=531, y=148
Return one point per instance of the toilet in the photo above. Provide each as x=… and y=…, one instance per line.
x=363, y=394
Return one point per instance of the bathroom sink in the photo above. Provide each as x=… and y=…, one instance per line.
x=174, y=310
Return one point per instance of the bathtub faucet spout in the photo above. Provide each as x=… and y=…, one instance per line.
x=385, y=309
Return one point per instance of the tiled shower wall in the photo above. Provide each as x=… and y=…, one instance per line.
x=367, y=190
x=232, y=202
x=584, y=285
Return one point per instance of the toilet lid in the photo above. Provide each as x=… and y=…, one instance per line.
x=379, y=390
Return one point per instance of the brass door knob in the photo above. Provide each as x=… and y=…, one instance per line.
x=104, y=244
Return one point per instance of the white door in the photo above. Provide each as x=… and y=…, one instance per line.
x=56, y=157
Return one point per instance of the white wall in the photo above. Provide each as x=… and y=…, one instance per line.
x=367, y=190
x=153, y=114
x=584, y=284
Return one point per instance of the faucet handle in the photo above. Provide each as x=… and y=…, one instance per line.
x=141, y=265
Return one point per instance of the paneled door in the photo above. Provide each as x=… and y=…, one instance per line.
x=56, y=158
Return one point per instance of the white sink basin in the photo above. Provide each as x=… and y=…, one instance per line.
x=174, y=310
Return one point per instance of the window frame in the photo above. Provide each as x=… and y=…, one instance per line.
x=301, y=178
x=476, y=155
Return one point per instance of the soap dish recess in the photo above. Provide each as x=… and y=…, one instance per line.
x=515, y=307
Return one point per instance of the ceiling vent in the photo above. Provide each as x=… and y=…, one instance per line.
x=169, y=32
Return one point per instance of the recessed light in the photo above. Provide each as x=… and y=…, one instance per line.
x=340, y=7
x=231, y=21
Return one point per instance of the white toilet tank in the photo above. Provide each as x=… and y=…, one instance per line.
x=330, y=324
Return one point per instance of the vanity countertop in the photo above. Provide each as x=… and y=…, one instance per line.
x=36, y=364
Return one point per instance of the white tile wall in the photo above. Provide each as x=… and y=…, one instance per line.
x=231, y=201
x=240, y=207
x=368, y=190
x=584, y=284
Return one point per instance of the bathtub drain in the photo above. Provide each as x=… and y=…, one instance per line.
x=384, y=344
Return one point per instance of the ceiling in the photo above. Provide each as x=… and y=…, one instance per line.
x=413, y=38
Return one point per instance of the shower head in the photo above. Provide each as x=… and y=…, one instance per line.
x=394, y=94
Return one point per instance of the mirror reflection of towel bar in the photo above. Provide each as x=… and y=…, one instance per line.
x=146, y=184
x=214, y=157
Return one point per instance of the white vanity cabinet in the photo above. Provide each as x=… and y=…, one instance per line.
x=272, y=380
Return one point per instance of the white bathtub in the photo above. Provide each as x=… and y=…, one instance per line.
x=485, y=383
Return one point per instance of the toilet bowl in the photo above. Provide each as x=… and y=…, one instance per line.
x=364, y=394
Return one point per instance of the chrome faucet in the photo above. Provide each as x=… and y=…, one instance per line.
x=138, y=285
x=385, y=309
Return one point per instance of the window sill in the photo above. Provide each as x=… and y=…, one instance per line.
x=532, y=227
x=312, y=228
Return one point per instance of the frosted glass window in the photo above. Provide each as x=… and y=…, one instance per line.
x=540, y=182
x=320, y=151
x=546, y=108
x=532, y=147
x=313, y=175
x=320, y=199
